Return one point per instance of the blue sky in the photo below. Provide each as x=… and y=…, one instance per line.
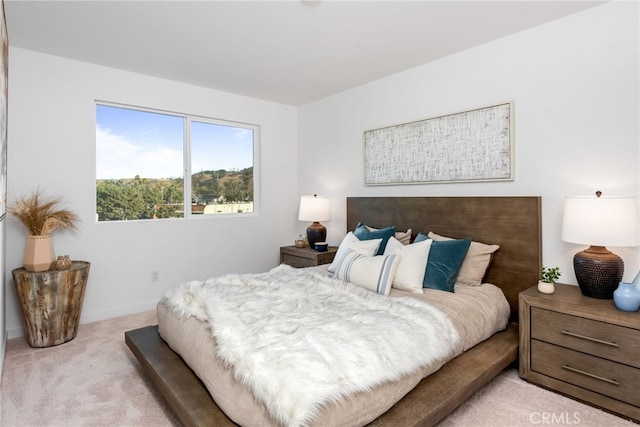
x=130, y=143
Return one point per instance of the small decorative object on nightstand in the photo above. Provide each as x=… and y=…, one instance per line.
x=581, y=347
x=63, y=262
x=306, y=257
x=300, y=243
x=42, y=217
x=548, y=276
x=322, y=246
x=626, y=297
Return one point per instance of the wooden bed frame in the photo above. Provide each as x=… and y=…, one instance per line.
x=514, y=223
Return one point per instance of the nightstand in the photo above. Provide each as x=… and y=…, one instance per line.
x=582, y=347
x=51, y=302
x=306, y=257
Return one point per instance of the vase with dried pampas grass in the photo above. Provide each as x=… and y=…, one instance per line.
x=42, y=216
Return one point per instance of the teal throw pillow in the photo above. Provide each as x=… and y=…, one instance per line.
x=444, y=262
x=363, y=233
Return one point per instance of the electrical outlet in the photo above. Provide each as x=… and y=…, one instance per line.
x=155, y=275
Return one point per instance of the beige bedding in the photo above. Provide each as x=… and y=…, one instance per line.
x=477, y=313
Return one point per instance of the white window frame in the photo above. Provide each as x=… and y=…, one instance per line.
x=187, y=119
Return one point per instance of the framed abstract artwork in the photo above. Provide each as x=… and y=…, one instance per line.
x=474, y=145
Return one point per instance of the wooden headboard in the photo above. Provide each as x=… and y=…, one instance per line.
x=514, y=223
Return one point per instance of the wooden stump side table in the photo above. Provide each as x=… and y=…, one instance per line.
x=51, y=302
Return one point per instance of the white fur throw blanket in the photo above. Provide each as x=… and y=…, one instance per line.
x=298, y=339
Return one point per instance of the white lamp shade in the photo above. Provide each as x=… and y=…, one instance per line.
x=314, y=208
x=600, y=221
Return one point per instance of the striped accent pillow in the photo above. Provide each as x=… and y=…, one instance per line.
x=350, y=241
x=374, y=273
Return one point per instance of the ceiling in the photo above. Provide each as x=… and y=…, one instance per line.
x=291, y=52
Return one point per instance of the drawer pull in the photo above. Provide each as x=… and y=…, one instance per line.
x=597, y=377
x=584, y=337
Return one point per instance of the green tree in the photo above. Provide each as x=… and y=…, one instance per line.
x=117, y=201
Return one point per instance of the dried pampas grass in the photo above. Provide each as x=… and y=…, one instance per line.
x=41, y=216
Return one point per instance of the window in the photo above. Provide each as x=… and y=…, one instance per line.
x=152, y=165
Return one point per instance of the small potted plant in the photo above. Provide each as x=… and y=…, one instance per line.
x=548, y=277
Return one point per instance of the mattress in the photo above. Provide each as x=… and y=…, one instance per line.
x=477, y=312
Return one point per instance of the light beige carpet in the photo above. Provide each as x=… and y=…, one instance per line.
x=94, y=380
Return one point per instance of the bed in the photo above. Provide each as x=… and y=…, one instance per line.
x=511, y=222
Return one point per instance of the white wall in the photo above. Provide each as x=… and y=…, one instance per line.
x=51, y=145
x=574, y=84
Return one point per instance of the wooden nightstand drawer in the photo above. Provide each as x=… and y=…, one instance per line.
x=582, y=347
x=593, y=373
x=306, y=257
x=601, y=339
x=296, y=261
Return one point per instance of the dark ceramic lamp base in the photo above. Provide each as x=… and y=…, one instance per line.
x=598, y=272
x=316, y=232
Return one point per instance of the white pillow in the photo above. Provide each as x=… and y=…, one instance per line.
x=350, y=241
x=412, y=264
x=374, y=273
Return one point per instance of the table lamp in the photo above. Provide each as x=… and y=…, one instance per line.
x=599, y=221
x=315, y=208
